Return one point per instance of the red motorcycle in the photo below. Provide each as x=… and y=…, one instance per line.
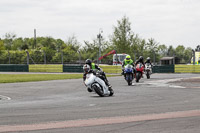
x=139, y=71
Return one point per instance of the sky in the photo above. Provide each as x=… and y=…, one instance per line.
x=169, y=22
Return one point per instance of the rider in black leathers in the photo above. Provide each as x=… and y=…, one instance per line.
x=140, y=60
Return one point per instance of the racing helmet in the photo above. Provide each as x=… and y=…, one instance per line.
x=86, y=68
x=88, y=61
x=141, y=58
x=128, y=57
x=148, y=58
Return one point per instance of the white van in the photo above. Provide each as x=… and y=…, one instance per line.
x=118, y=58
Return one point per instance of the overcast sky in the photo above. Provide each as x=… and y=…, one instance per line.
x=169, y=22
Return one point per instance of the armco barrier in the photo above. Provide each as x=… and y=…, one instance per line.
x=163, y=69
x=46, y=68
x=13, y=68
x=187, y=68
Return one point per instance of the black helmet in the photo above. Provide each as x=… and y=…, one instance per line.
x=148, y=58
x=141, y=58
x=88, y=61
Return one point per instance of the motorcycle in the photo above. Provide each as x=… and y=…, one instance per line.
x=139, y=71
x=128, y=74
x=97, y=85
x=148, y=70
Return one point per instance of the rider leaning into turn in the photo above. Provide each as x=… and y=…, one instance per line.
x=93, y=66
x=127, y=61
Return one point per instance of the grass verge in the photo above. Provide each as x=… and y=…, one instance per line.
x=13, y=78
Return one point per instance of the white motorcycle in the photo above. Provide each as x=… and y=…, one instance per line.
x=148, y=70
x=96, y=84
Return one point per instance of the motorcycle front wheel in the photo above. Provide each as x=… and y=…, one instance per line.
x=148, y=75
x=130, y=79
x=98, y=90
x=138, y=75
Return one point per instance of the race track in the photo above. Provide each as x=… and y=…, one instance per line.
x=166, y=103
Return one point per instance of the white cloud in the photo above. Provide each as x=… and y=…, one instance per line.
x=170, y=22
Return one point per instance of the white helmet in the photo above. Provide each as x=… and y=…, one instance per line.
x=86, y=68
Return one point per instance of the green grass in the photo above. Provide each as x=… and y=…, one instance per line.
x=13, y=78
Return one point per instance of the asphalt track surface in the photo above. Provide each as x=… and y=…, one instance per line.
x=166, y=103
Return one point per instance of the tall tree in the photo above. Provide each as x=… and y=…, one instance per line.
x=90, y=50
x=187, y=55
x=170, y=51
x=8, y=41
x=179, y=52
x=73, y=43
x=162, y=50
x=152, y=45
x=152, y=48
x=1, y=45
x=138, y=47
x=123, y=36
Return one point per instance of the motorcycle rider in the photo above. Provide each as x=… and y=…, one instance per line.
x=127, y=61
x=140, y=60
x=148, y=61
x=94, y=67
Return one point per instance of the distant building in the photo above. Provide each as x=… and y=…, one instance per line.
x=169, y=60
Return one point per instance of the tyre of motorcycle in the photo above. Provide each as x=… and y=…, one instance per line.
x=98, y=89
x=148, y=75
x=138, y=76
x=129, y=78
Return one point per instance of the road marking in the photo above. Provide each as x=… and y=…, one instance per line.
x=98, y=121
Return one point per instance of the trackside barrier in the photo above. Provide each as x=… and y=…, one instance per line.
x=163, y=69
x=46, y=68
x=79, y=68
x=72, y=68
x=13, y=68
x=111, y=69
x=187, y=68
x=106, y=68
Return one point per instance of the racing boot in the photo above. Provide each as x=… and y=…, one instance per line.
x=107, y=83
x=122, y=73
x=89, y=90
x=109, y=88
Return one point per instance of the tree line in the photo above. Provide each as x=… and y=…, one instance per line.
x=123, y=40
